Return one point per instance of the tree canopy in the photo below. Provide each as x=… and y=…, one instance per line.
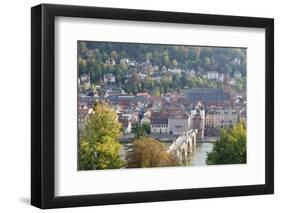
x=148, y=152
x=99, y=146
x=93, y=57
x=231, y=146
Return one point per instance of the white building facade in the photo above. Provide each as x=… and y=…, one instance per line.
x=178, y=124
x=222, y=118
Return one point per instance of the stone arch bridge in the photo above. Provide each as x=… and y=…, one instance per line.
x=184, y=145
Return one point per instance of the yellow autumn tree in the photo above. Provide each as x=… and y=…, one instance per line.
x=148, y=152
x=99, y=147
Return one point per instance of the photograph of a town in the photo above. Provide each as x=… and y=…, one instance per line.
x=160, y=105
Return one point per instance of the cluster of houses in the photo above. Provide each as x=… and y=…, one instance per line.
x=154, y=72
x=172, y=113
x=204, y=109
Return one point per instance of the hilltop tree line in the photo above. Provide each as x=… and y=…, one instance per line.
x=92, y=58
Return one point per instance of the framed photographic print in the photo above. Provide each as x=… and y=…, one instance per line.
x=140, y=106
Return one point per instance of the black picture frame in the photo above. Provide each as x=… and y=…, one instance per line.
x=43, y=102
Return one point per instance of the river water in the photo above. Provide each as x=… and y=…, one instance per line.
x=199, y=155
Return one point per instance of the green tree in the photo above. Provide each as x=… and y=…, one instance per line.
x=146, y=128
x=141, y=130
x=99, y=146
x=123, y=67
x=82, y=62
x=114, y=55
x=156, y=92
x=82, y=65
x=207, y=62
x=148, y=152
x=166, y=59
x=231, y=147
x=174, y=63
x=82, y=47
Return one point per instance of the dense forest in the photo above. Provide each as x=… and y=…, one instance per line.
x=93, y=57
